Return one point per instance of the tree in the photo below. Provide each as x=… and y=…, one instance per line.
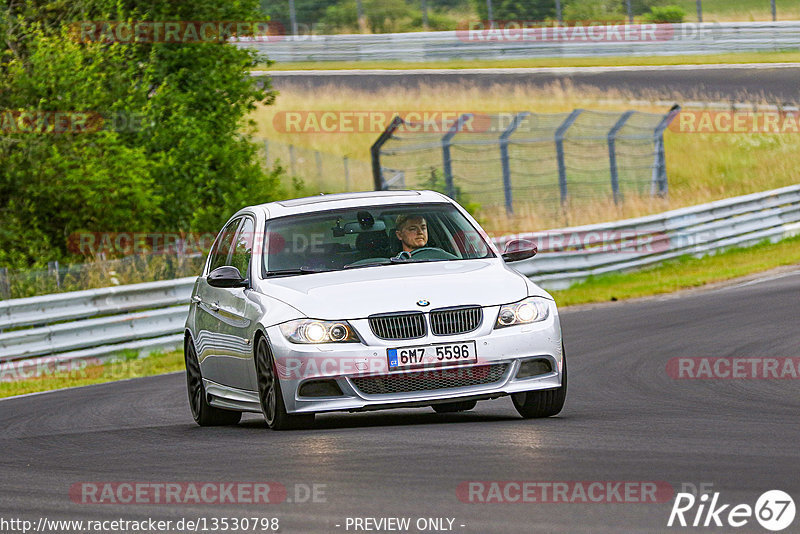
x=179, y=159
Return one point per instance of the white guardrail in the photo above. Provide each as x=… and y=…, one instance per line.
x=513, y=43
x=100, y=323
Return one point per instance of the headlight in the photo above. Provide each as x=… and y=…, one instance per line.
x=313, y=331
x=530, y=310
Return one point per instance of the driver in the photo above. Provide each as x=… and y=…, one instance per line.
x=412, y=231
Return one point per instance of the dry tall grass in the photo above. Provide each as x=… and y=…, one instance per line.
x=701, y=167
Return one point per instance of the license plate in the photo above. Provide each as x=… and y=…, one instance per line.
x=426, y=355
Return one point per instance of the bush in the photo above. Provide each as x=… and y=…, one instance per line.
x=187, y=165
x=594, y=10
x=528, y=10
x=665, y=14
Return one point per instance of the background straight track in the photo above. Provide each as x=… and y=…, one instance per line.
x=776, y=85
x=625, y=420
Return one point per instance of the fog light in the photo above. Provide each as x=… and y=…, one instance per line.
x=320, y=388
x=534, y=368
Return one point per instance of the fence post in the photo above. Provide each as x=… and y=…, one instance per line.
x=5, y=286
x=559, y=17
x=375, y=151
x=659, y=184
x=504, y=160
x=346, y=163
x=699, y=10
x=447, y=141
x=612, y=153
x=292, y=17
x=562, y=167
x=630, y=11
x=774, y=12
x=291, y=160
x=52, y=270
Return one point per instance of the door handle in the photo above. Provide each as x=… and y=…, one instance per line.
x=213, y=307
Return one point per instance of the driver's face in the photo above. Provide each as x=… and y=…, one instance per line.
x=413, y=234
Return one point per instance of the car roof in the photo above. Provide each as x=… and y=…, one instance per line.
x=348, y=200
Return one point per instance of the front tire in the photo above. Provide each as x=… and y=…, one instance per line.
x=270, y=394
x=545, y=402
x=203, y=413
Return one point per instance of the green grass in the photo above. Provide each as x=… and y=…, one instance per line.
x=682, y=273
x=743, y=57
x=739, y=10
x=123, y=368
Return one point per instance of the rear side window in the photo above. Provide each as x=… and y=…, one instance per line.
x=222, y=248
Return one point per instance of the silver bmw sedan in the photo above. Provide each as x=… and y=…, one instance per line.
x=366, y=301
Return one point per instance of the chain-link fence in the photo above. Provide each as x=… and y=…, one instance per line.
x=320, y=171
x=527, y=158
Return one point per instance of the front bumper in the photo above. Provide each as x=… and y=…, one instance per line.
x=500, y=353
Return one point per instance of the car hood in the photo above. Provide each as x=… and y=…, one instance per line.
x=358, y=293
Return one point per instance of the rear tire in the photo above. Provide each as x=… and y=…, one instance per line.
x=453, y=407
x=203, y=413
x=270, y=394
x=544, y=402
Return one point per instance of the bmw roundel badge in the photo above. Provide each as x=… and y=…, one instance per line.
x=423, y=302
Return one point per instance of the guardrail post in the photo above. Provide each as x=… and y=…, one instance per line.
x=659, y=184
x=504, y=160
x=447, y=141
x=562, y=166
x=612, y=153
x=375, y=150
x=5, y=286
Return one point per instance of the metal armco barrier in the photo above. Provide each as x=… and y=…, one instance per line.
x=570, y=255
x=100, y=323
x=655, y=40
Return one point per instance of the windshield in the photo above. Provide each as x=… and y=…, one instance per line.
x=369, y=236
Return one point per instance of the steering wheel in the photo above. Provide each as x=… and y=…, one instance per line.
x=441, y=254
x=421, y=249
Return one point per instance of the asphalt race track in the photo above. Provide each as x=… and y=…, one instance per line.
x=625, y=420
x=776, y=85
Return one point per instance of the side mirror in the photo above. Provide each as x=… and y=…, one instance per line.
x=519, y=249
x=227, y=276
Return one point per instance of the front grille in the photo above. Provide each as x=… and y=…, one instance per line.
x=431, y=379
x=398, y=326
x=456, y=320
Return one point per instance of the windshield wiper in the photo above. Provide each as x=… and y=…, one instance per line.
x=301, y=270
x=356, y=265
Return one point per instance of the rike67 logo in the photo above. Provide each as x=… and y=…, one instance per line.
x=774, y=510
